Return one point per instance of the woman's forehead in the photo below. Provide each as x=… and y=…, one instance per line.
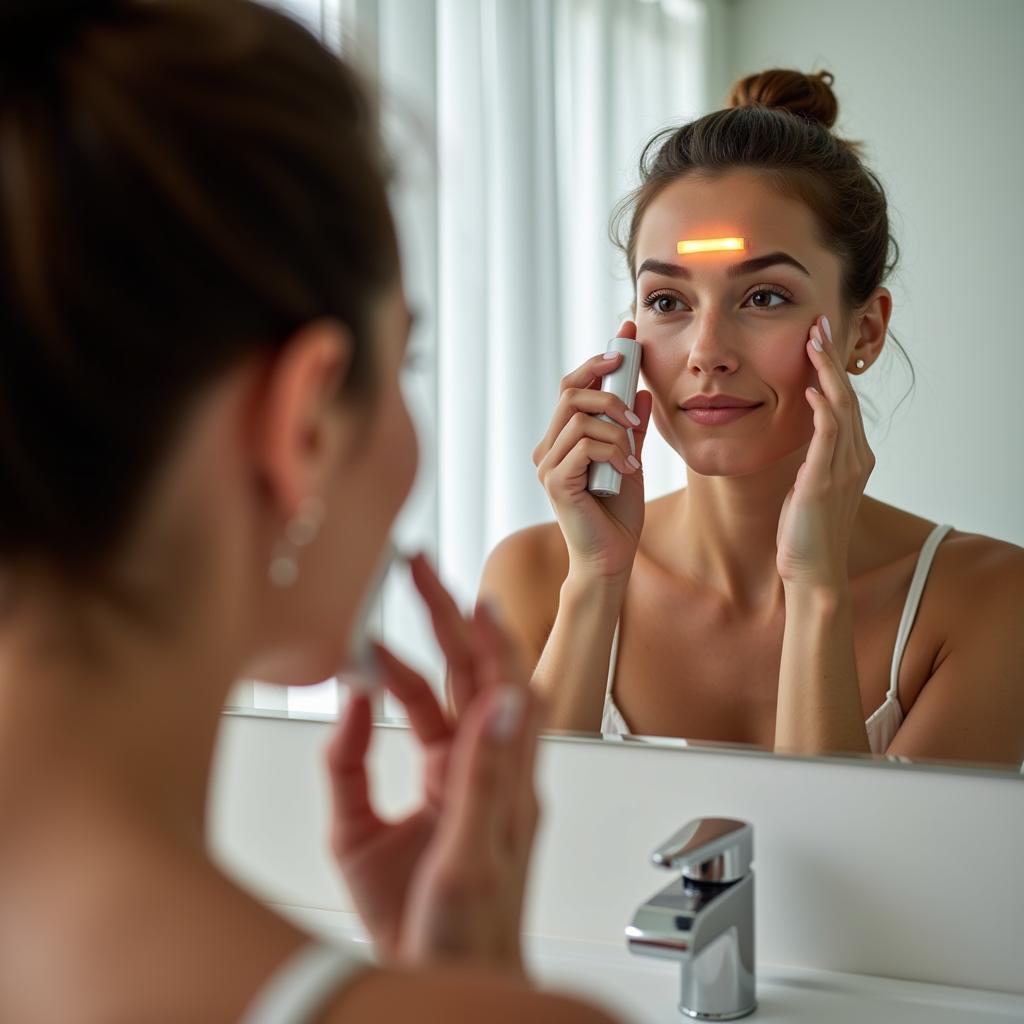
x=740, y=204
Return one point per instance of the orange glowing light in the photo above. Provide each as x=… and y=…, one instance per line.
x=710, y=245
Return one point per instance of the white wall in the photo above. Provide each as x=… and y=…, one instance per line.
x=860, y=868
x=934, y=88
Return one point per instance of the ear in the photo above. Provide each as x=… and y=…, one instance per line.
x=300, y=423
x=870, y=324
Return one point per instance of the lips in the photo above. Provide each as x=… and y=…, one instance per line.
x=718, y=402
x=718, y=410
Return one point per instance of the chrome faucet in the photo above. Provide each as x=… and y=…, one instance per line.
x=705, y=918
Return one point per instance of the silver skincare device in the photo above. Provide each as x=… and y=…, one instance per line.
x=603, y=479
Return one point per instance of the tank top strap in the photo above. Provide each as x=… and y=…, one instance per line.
x=613, y=659
x=302, y=985
x=917, y=582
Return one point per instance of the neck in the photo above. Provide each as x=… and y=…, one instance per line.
x=726, y=527
x=83, y=736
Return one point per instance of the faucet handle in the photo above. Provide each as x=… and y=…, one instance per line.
x=709, y=850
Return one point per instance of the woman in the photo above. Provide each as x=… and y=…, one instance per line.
x=203, y=446
x=768, y=602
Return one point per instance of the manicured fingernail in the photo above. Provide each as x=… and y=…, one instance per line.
x=632, y=417
x=506, y=713
x=611, y=355
x=815, y=390
x=816, y=342
x=633, y=461
x=827, y=326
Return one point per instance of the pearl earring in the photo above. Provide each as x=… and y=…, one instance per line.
x=299, y=531
x=859, y=364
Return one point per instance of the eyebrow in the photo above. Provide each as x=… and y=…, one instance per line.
x=736, y=270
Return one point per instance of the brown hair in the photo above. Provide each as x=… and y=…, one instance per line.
x=182, y=183
x=778, y=122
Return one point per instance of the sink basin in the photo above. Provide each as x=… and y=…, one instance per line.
x=646, y=991
x=643, y=991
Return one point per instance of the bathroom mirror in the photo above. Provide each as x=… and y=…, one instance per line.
x=515, y=129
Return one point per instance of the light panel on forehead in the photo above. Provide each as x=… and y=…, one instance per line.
x=690, y=245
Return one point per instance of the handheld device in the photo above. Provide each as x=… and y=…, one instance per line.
x=603, y=479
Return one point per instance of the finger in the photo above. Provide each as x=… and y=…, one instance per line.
x=453, y=633
x=857, y=418
x=527, y=809
x=426, y=717
x=354, y=818
x=643, y=407
x=480, y=799
x=835, y=389
x=574, y=467
x=855, y=437
x=589, y=374
x=576, y=400
x=582, y=428
x=817, y=470
x=497, y=658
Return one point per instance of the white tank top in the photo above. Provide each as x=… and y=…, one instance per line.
x=300, y=988
x=884, y=720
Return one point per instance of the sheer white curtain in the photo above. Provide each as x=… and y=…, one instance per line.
x=543, y=107
x=515, y=126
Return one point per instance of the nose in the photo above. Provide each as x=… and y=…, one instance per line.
x=711, y=351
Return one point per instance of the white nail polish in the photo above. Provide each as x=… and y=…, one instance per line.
x=827, y=326
x=633, y=461
x=632, y=417
x=506, y=713
x=610, y=355
x=815, y=344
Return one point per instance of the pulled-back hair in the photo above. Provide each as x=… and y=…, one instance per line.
x=183, y=183
x=778, y=122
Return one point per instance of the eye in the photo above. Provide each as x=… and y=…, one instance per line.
x=664, y=303
x=761, y=297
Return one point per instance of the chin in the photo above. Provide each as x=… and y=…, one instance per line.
x=738, y=457
x=296, y=667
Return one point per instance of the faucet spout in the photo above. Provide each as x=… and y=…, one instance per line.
x=706, y=926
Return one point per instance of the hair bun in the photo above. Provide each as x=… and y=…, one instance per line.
x=810, y=96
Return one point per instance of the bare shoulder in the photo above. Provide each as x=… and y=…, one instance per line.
x=962, y=559
x=523, y=578
x=971, y=703
x=536, y=555
x=978, y=574
x=443, y=995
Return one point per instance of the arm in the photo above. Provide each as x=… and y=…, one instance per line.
x=559, y=588
x=563, y=634
x=819, y=709
x=819, y=705
x=573, y=669
x=972, y=706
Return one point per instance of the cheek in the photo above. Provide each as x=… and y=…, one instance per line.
x=784, y=365
x=400, y=452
